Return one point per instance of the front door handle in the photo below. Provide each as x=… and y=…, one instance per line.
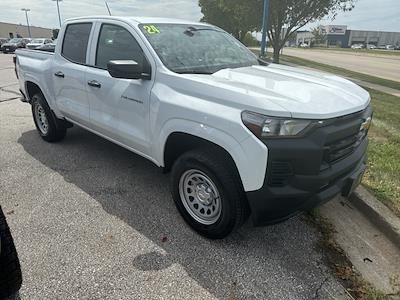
x=59, y=74
x=94, y=83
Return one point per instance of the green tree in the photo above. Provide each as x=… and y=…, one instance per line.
x=250, y=41
x=319, y=35
x=235, y=16
x=55, y=33
x=286, y=16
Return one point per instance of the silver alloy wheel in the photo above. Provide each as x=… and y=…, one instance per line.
x=200, y=197
x=41, y=119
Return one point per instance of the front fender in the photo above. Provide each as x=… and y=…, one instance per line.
x=249, y=155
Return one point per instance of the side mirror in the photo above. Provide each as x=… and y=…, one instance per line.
x=128, y=69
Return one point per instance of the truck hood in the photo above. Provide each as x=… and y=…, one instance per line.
x=301, y=92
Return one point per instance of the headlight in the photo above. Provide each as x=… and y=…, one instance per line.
x=264, y=126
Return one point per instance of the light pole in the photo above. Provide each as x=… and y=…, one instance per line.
x=108, y=8
x=27, y=20
x=264, y=29
x=58, y=10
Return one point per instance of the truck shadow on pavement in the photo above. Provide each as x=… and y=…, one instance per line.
x=276, y=262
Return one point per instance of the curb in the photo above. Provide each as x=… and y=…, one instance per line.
x=377, y=213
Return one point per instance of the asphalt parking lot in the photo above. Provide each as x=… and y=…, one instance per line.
x=94, y=221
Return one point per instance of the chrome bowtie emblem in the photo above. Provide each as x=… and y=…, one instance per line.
x=366, y=125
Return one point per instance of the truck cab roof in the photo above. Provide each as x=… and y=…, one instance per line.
x=138, y=20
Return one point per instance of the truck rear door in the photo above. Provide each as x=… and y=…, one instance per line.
x=69, y=70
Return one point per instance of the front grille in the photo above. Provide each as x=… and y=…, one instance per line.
x=280, y=173
x=315, y=161
x=342, y=148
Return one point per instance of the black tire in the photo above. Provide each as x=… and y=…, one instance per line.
x=56, y=129
x=221, y=170
x=10, y=269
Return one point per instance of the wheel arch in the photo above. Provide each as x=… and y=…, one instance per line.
x=179, y=142
x=249, y=155
x=31, y=89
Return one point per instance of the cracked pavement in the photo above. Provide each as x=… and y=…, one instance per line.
x=94, y=221
x=9, y=89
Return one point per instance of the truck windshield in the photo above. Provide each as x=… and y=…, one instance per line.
x=197, y=49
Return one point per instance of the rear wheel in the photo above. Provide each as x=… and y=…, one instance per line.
x=49, y=127
x=10, y=270
x=208, y=192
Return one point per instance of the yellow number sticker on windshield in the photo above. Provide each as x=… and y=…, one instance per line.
x=151, y=29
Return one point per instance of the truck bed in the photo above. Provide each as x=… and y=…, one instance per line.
x=34, y=66
x=33, y=53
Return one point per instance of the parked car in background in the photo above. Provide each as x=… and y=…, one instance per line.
x=240, y=136
x=14, y=44
x=357, y=46
x=10, y=269
x=371, y=47
x=35, y=43
x=304, y=45
x=3, y=40
x=390, y=47
x=50, y=47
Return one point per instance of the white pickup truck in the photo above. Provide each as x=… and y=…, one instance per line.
x=241, y=137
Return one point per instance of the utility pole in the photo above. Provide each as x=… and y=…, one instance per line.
x=58, y=10
x=109, y=11
x=27, y=20
x=264, y=29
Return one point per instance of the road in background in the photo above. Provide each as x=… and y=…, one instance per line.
x=92, y=220
x=379, y=65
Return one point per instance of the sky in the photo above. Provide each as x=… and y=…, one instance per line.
x=368, y=14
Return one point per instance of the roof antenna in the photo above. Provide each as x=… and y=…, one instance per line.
x=109, y=12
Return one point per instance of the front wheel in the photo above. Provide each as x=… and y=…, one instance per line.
x=208, y=192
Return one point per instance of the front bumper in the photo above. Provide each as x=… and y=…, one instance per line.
x=303, y=173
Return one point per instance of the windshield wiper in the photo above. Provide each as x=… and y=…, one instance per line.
x=194, y=72
x=190, y=30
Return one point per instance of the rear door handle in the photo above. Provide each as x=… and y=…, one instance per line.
x=94, y=83
x=59, y=74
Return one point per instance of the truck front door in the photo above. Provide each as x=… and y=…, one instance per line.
x=119, y=108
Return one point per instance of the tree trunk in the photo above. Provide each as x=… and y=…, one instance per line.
x=237, y=35
x=276, y=54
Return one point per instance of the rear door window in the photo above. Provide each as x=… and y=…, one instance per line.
x=75, y=42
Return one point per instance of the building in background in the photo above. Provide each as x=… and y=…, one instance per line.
x=341, y=36
x=8, y=30
x=304, y=37
x=335, y=35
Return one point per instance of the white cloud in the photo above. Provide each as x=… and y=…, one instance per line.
x=368, y=14
x=382, y=15
x=44, y=12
